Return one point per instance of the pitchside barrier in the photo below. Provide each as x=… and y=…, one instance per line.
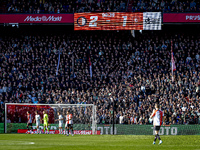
x=148, y=129
x=119, y=129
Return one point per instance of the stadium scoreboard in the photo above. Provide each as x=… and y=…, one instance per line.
x=118, y=21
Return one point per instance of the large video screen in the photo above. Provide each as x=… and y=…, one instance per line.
x=118, y=21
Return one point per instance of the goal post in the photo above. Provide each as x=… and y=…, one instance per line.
x=84, y=116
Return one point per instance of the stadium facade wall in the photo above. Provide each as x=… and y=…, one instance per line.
x=119, y=129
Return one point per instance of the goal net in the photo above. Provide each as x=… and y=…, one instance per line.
x=84, y=117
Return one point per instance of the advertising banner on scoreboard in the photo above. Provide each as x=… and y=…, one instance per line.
x=181, y=17
x=80, y=132
x=37, y=18
x=118, y=21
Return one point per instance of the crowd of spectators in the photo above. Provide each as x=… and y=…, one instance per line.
x=166, y=6
x=65, y=6
x=68, y=6
x=135, y=73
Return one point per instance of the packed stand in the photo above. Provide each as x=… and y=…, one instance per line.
x=68, y=6
x=65, y=6
x=135, y=73
x=164, y=6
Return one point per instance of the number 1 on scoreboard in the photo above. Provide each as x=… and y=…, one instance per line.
x=124, y=21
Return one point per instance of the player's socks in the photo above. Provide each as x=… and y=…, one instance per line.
x=28, y=129
x=44, y=130
x=72, y=131
x=68, y=131
x=158, y=137
x=155, y=138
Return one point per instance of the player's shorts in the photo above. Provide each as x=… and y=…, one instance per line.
x=37, y=124
x=45, y=124
x=60, y=125
x=69, y=125
x=29, y=124
x=157, y=128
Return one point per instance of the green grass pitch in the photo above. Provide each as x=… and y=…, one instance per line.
x=97, y=142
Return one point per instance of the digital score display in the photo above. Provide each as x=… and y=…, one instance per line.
x=117, y=21
x=108, y=21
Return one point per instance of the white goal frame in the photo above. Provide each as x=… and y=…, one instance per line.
x=94, y=121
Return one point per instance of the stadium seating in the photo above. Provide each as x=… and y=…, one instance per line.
x=135, y=72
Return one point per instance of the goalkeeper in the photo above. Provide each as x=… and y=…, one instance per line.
x=46, y=119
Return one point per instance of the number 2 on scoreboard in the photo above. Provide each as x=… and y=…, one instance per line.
x=93, y=23
x=124, y=21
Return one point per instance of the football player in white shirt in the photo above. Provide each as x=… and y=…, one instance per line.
x=37, y=120
x=69, y=123
x=157, y=116
x=60, y=119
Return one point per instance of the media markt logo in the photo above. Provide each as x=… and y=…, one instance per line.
x=43, y=18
